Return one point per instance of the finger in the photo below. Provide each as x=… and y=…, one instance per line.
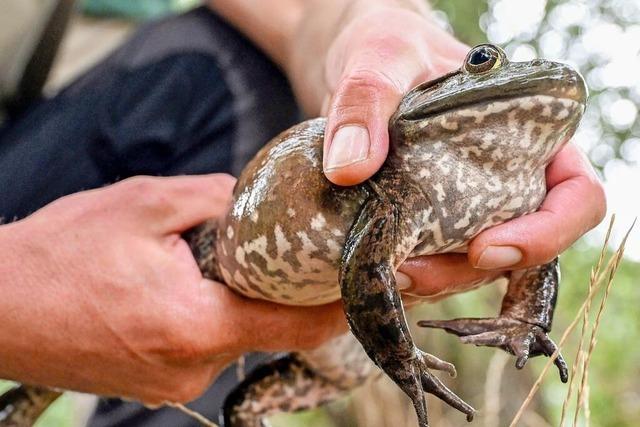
x=286, y=328
x=356, y=137
x=196, y=199
x=574, y=204
x=374, y=72
x=244, y=324
x=437, y=275
x=445, y=44
x=174, y=204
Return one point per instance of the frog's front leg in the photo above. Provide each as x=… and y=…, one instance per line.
x=524, y=322
x=374, y=309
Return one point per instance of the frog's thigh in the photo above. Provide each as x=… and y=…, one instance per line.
x=286, y=384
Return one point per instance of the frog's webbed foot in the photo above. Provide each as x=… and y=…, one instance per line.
x=431, y=384
x=375, y=312
x=521, y=339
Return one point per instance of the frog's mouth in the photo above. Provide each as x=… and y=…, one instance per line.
x=517, y=80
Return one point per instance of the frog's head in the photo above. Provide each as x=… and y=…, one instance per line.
x=495, y=108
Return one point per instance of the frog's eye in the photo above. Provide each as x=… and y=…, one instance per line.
x=483, y=58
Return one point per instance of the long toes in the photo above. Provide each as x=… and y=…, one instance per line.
x=563, y=370
x=433, y=362
x=433, y=385
x=489, y=339
x=460, y=327
x=549, y=347
x=521, y=348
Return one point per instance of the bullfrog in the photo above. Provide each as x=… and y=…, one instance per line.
x=468, y=151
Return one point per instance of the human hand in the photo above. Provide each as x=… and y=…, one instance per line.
x=356, y=75
x=381, y=49
x=575, y=203
x=101, y=294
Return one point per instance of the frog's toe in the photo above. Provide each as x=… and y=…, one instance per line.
x=519, y=338
x=465, y=326
x=433, y=362
x=548, y=347
x=431, y=384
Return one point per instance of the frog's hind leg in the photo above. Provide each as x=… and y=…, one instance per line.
x=524, y=322
x=374, y=309
x=21, y=406
x=286, y=384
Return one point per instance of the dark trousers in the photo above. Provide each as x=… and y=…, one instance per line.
x=186, y=95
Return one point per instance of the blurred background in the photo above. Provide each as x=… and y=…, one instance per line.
x=601, y=38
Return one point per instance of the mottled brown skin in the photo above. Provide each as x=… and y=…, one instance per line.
x=21, y=406
x=468, y=151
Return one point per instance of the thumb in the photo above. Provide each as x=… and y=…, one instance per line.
x=356, y=137
x=373, y=64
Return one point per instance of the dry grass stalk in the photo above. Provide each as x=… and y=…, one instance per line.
x=614, y=261
x=193, y=414
x=582, y=401
x=595, y=272
x=492, y=389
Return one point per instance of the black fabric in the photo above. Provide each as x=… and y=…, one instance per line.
x=168, y=117
x=185, y=95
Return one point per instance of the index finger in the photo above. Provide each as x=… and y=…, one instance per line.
x=174, y=204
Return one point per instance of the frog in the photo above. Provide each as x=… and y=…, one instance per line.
x=468, y=151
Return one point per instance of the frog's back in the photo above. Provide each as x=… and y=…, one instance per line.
x=282, y=239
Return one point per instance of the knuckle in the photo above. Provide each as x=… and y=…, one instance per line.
x=370, y=82
x=363, y=88
x=144, y=191
x=137, y=184
x=224, y=182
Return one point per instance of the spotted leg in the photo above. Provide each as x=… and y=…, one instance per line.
x=374, y=309
x=524, y=322
x=286, y=384
x=21, y=406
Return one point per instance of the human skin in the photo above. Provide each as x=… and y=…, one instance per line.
x=101, y=294
x=353, y=61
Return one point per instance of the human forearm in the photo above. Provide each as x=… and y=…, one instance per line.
x=12, y=311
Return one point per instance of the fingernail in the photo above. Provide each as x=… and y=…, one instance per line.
x=495, y=257
x=403, y=282
x=350, y=145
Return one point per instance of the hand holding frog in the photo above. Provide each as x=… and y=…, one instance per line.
x=122, y=308
x=381, y=50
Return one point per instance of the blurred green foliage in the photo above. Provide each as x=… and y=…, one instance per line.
x=136, y=10
x=464, y=17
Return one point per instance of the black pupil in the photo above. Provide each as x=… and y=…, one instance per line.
x=480, y=56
